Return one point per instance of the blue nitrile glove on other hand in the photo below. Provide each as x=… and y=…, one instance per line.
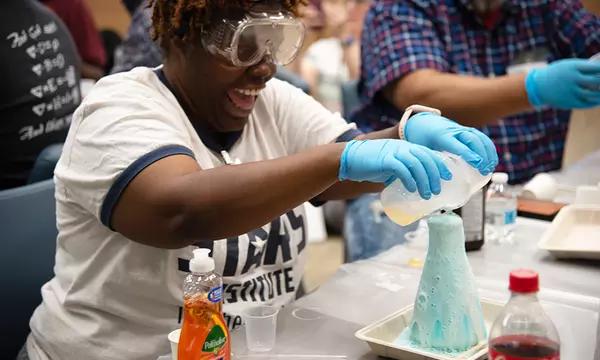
x=384, y=161
x=441, y=134
x=565, y=84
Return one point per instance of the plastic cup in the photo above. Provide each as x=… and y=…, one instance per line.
x=309, y=313
x=261, y=326
x=174, y=341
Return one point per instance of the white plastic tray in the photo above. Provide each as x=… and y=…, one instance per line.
x=382, y=334
x=574, y=233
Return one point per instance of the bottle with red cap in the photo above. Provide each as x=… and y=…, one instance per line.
x=523, y=331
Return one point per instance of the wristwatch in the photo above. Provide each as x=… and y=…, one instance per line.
x=411, y=110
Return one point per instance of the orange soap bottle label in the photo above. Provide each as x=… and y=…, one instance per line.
x=204, y=335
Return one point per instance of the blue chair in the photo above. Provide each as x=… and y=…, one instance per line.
x=44, y=165
x=28, y=232
x=350, y=98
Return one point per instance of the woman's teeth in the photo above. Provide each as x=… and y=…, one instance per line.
x=242, y=98
x=249, y=92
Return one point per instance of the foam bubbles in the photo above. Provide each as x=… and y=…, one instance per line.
x=447, y=316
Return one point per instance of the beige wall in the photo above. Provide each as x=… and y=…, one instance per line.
x=583, y=136
x=110, y=14
x=592, y=5
x=584, y=129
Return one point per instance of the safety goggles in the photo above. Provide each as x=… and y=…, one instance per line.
x=247, y=41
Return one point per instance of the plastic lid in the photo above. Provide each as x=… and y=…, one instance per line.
x=524, y=281
x=500, y=178
x=201, y=262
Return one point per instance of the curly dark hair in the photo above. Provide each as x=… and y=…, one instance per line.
x=183, y=18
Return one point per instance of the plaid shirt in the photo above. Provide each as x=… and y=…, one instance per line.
x=406, y=35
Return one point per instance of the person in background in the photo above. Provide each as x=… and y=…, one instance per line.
x=512, y=68
x=138, y=48
x=332, y=59
x=78, y=18
x=209, y=151
x=335, y=58
x=312, y=17
x=39, y=68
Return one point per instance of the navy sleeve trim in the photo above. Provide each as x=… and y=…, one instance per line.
x=349, y=135
x=317, y=203
x=117, y=188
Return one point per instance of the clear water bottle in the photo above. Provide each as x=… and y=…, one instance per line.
x=522, y=330
x=501, y=210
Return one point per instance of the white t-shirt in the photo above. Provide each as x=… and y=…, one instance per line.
x=113, y=298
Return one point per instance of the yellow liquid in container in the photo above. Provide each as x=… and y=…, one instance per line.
x=400, y=217
x=415, y=262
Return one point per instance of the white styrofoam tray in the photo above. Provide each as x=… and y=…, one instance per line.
x=574, y=233
x=382, y=334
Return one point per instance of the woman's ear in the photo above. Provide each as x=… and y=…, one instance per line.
x=176, y=47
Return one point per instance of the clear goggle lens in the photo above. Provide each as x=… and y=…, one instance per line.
x=247, y=42
x=281, y=41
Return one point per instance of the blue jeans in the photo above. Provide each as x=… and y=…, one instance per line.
x=368, y=231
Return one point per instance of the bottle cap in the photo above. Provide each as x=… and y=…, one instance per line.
x=524, y=281
x=201, y=262
x=500, y=178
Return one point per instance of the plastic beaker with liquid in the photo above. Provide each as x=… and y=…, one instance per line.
x=405, y=207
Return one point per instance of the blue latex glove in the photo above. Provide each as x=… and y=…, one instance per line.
x=384, y=161
x=565, y=84
x=441, y=134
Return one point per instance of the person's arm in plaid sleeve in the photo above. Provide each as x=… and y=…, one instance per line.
x=405, y=57
x=577, y=30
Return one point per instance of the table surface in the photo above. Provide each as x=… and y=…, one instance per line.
x=322, y=324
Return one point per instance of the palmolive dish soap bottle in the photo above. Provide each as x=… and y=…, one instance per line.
x=523, y=331
x=204, y=334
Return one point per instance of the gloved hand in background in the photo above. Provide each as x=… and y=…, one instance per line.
x=384, y=161
x=565, y=84
x=441, y=134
